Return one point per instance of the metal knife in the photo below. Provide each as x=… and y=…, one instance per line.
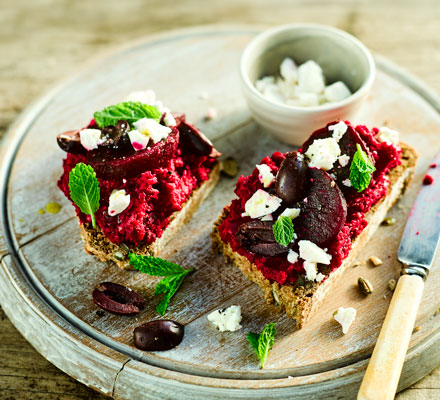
x=416, y=253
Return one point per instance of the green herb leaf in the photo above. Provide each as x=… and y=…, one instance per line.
x=361, y=169
x=155, y=266
x=283, y=230
x=84, y=189
x=129, y=111
x=263, y=342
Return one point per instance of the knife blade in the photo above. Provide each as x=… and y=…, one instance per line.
x=422, y=231
x=416, y=251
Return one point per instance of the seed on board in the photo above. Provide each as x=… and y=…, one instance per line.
x=392, y=284
x=230, y=167
x=357, y=264
x=416, y=329
x=365, y=286
x=389, y=221
x=376, y=261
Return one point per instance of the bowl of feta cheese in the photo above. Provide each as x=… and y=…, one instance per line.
x=298, y=77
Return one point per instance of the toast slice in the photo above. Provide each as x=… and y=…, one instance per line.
x=97, y=244
x=299, y=301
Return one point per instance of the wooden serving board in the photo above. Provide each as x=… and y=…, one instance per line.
x=46, y=278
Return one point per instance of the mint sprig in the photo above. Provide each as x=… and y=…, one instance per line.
x=361, y=170
x=130, y=111
x=174, y=275
x=283, y=230
x=263, y=342
x=84, y=189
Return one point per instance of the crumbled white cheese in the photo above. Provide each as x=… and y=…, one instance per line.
x=345, y=316
x=323, y=153
x=336, y=91
x=338, y=130
x=310, y=78
x=118, y=202
x=289, y=70
x=292, y=256
x=311, y=252
x=90, y=138
x=302, y=86
x=265, y=175
x=267, y=217
x=344, y=160
x=138, y=140
x=311, y=270
x=261, y=203
x=169, y=120
x=388, y=136
x=142, y=96
x=227, y=319
x=308, y=99
x=149, y=127
x=292, y=213
x=319, y=277
x=346, y=182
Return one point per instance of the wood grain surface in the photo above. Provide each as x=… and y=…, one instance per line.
x=48, y=40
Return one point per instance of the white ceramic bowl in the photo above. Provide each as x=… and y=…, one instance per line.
x=341, y=57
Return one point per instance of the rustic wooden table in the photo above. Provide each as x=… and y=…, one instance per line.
x=44, y=41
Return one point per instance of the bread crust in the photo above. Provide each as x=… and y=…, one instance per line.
x=300, y=302
x=97, y=244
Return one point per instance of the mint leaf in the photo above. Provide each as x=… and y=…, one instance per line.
x=361, y=170
x=129, y=111
x=155, y=266
x=263, y=342
x=84, y=189
x=283, y=230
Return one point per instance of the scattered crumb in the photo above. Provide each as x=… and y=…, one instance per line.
x=437, y=312
x=392, y=284
x=385, y=296
x=332, y=184
x=345, y=316
x=376, y=261
x=433, y=165
x=21, y=220
x=416, y=329
x=204, y=95
x=41, y=211
x=211, y=113
x=357, y=264
x=400, y=206
x=428, y=180
x=229, y=167
x=389, y=221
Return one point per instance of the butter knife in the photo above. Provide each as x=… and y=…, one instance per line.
x=416, y=253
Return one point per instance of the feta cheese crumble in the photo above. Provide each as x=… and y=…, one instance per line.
x=311, y=252
x=90, y=138
x=292, y=256
x=388, y=136
x=302, y=86
x=118, y=202
x=323, y=153
x=138, y=140
x=227, y=319
x=265, y=177
x=338, y=130
x=345, y=316
x=292, y=213
x=261, y=203
x=150, y=128
x=344, y=160
x=346, y=182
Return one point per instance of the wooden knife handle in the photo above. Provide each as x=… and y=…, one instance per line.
x=385, y=366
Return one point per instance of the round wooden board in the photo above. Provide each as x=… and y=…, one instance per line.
x=46, y=278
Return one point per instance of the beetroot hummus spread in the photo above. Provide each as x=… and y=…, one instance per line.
x=332, y=213
x=159, y=179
